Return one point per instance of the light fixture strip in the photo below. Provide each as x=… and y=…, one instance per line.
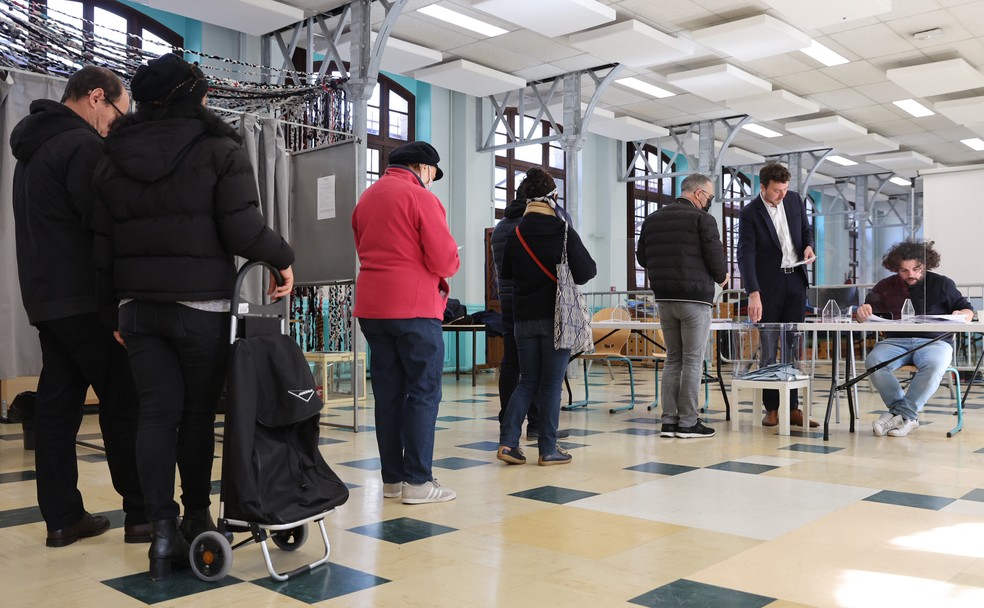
x=760, y=130
x=914, y=108
x=974, y=143
x=644, y=87
x=824, y=55
x=455, y=18
x=840, y=160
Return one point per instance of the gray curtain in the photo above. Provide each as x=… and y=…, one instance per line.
x=265, y=143
x=20, y=351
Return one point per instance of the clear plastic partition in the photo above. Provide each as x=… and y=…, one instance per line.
x=769, y=351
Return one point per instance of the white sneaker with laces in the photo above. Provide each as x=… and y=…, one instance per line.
x=430, y=491
x=885, y=423
x=904, y=429
x=393, y=490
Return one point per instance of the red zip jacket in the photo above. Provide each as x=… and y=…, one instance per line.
x=405, y=248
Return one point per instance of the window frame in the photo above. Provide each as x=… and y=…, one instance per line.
x=381, y=143
x=516, y=168
x=652, y=199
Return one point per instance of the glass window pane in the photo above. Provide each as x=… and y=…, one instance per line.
x=154, y=45
x=398, y=103
x=399, y=125
x=110, y=27
x=529, y=154
x=556, y=157
x=374, y=98
x=70, y=14
x=372, y=120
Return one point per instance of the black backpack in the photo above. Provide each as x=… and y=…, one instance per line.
x=272, y=470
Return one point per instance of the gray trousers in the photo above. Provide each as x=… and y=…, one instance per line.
x=685, y=328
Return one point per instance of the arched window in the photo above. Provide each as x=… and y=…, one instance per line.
x=89, y=21
x=390, y=118
x=644, y=197
x=512, y=163
x=737, y=192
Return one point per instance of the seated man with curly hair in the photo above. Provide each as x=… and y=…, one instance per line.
x=930, y=294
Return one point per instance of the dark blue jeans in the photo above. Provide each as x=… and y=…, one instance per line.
x=541, y=373
x=179, y=357
x=406, y=358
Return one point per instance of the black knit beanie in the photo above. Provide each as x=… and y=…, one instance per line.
x=168, y=79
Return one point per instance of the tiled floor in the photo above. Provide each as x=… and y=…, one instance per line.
x=745, y=519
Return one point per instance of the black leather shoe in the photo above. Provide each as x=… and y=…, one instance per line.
x=89, y=525
x=137, y=533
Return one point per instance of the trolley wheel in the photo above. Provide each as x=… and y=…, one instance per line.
x=292, y=539
x=210, y=556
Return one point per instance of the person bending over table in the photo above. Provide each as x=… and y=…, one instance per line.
x=930, y=294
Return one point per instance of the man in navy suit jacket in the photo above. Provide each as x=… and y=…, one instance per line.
x=774, y=234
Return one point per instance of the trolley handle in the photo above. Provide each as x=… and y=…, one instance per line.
x=274, y=308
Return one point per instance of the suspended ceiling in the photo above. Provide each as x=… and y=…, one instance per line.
x=875, y=36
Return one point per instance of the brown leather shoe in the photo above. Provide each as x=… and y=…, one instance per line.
x=89, y=525
x=796, y=418
x=137, y=533
x=771, y=418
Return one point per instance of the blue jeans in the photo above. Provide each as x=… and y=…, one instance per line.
x=685, y=328
x=406, y=358
x=541, y=373
x=932, y=362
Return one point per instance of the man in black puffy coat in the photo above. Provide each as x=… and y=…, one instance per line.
x=681, y=250
x=57, y=148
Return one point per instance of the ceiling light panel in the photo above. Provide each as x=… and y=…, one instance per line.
x=974, y=143
x=914, y=108
x=828, y=12
x=872, y=143
x=900, y=160
x=549, y=17
x=644, y=87
x=840, y=160
x=966, y=111
x=719, y=82
x=752, y=38
x=470, y=78
x=773, y=105
x=824, y=55
x=937, y=78
x=828, y=128
x=761, y=131
x=901, y=181
x=632, y=43
x=455, y=18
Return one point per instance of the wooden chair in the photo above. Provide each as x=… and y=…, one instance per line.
x=609, y=345
x=954, y=387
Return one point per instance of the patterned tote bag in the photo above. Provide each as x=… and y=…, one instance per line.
x=572, y=319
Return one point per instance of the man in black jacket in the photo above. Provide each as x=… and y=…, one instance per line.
x=680, y=248
x=57, y=148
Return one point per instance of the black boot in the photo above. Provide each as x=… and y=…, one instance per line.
x=196, y=521
x=167, y=547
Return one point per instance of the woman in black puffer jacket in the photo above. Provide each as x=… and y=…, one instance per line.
x=177, y=200
x=538, y=240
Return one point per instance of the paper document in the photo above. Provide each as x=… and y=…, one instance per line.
x=806, y=261
x=922, y=319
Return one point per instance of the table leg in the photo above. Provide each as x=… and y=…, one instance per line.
x=833, y=391
x=457, y=355
x=474, y=360
x=724, y=393
x=848, y=366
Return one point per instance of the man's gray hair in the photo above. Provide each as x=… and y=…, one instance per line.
x=694, y=182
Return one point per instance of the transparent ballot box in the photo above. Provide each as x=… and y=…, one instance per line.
x=770, y=357
x=333, y=373
x=770, y=352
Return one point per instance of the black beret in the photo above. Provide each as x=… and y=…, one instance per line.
x=168, y=79
x=417, y=152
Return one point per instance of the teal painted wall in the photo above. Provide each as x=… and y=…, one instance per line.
x=189, y=29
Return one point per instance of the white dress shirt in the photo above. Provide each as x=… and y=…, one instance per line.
x=778, y=215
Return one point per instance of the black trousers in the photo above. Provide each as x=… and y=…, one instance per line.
x=785, y=303
x=179, y=357
x=78, y=352
x=509, y=368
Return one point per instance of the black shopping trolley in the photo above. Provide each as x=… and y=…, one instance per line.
x=274, y=480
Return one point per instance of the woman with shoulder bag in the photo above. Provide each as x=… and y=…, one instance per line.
x=530, y=260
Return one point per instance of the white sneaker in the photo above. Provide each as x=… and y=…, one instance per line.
x=904, y=429
x=393, y=490
x=885, y=423
x=430, y=491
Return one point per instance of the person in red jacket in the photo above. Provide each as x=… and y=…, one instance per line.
x=406, y=253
